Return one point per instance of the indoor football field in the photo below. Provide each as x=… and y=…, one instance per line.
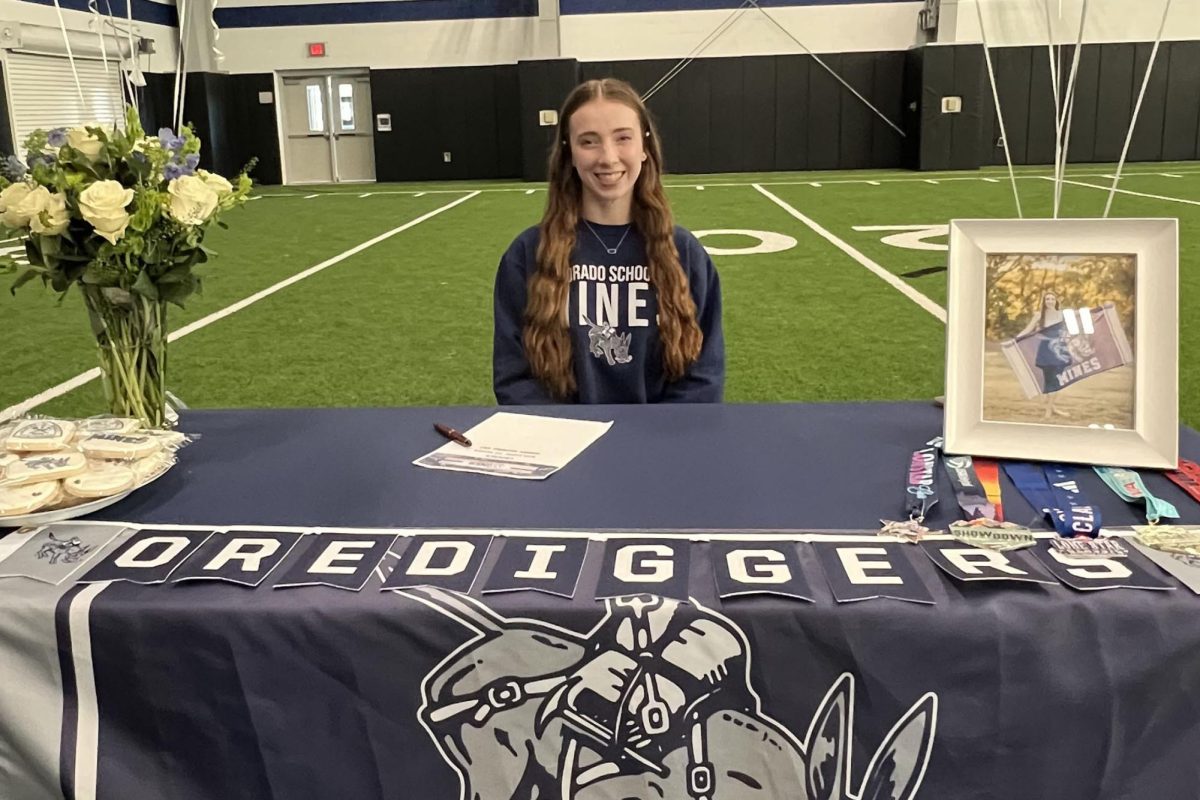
x=834, y=288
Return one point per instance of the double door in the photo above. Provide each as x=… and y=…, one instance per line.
x=328, y=127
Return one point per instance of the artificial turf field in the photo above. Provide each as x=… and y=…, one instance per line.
x=371, y=319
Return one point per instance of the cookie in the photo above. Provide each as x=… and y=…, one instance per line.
x=27, y=499
x=40, y=435
x=120, y=446
x=94, y=425
x=149, y=468
x=5, y=460
x=38, y=467
x=100, y=481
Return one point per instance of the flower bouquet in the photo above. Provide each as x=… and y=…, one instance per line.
x=123, y=215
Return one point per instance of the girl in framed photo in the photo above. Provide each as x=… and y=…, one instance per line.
x=1053, y=351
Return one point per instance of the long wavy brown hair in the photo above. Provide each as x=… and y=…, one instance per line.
x=546, y=334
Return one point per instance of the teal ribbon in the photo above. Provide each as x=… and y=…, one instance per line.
x=1129, y=487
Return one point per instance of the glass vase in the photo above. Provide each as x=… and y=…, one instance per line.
x=131, y=334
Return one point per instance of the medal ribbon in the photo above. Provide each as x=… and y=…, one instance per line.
x=1129, y=487
x=968, y=488
x=920, y=492
x=1055, y=491
x=1187, y=477
x=1078, y=515
x=988, y=472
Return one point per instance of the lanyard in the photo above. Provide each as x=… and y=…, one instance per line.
x=1129, y=487
x=920, y=491
x=1187, y=477
x=1054, y=490
x=989, y=475
x=968, y=488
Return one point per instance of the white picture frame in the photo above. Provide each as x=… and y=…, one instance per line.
x=982, y=418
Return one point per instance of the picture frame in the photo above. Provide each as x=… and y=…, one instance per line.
x=1062, y=341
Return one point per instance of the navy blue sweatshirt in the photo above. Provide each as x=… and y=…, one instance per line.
x=613, y=321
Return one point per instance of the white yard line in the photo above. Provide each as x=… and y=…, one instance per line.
x=311, y=196
x=896, y=282
x=1135, y=194
x=92, y=374
x=943, y=177
x=929, y=180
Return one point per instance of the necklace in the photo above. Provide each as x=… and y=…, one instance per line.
x=612, y=251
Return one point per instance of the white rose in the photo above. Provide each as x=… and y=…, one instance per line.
x=192, y=200
x=87, y=143
x=103, y=205
x=40, y=201
x=10, y=198
x=54, y=212
x=215, y=182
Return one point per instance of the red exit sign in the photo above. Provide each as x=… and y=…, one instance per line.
x=316, y=49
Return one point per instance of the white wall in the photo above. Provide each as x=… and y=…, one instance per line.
x=383, y=45
x=674, y=34
x=1024, y=22
x=591, y=37
x=164, y=37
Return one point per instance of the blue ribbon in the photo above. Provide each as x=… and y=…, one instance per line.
x=1054, y=490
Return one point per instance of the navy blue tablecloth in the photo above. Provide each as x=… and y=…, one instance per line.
x=715, y=467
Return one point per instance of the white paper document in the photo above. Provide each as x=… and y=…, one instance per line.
x=517, y=446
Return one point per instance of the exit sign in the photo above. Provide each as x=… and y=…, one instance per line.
x=316, y=49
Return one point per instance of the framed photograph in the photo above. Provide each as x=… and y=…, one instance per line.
x=1062, y=340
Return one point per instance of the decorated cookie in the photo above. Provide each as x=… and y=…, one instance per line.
x=94, y=425
x=27, y=499
x=149, y=468
x=120, y=446
x=100, y=481
x=38, y=435
x=37, y=467
x=5, y=460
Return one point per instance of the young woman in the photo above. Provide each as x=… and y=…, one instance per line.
x=1052, y=354
x=607, y=300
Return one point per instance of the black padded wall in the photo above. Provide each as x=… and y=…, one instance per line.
x=543, y=85
x=946, y=140
x=1107, y=83
x=470, y=112
x=770, y=113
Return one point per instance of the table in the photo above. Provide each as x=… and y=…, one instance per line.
x=203, y=690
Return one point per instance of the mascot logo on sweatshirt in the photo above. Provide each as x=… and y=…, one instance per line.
x=604, y=342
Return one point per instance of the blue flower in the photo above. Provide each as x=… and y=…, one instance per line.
x=173, y=171
x=13, y=169
x=191, y=161
x=57, y=137
x=41, y=158
x=169, y=140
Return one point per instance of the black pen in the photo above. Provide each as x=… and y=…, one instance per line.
x=451, y=434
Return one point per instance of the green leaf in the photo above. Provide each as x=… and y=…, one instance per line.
x=117, y=296
x=176, y=275
x=33, y=254
x=26, y=276
x=145, y=286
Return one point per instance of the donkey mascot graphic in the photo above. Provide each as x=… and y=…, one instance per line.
x=653, y=703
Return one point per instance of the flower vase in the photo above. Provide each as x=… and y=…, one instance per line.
x=131, y=334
